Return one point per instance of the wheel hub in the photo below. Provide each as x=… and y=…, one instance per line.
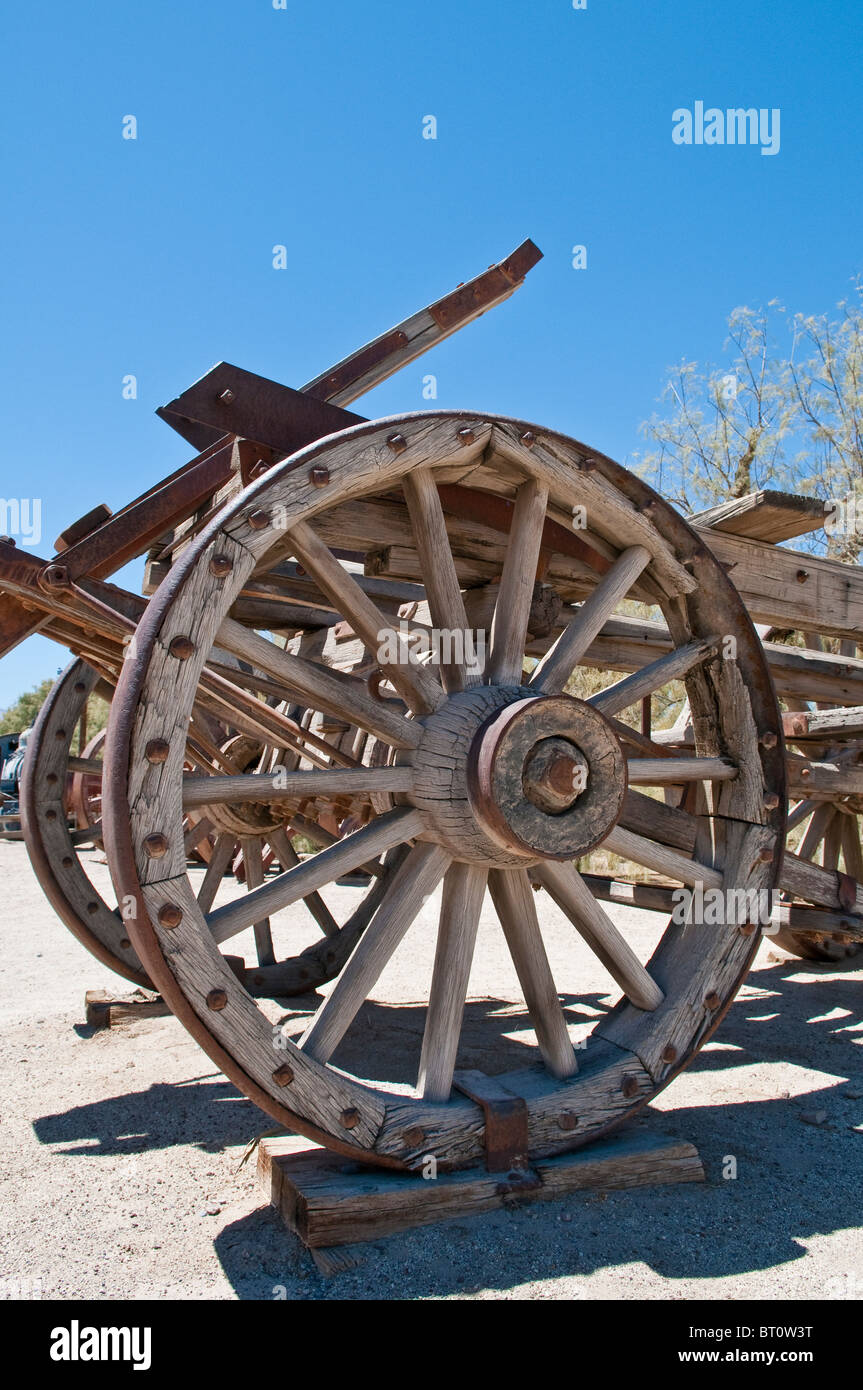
x=509, y=777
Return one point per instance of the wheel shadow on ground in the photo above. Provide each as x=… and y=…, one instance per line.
x=774, y=1182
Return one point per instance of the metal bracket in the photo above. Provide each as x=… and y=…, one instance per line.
x=506, y=1137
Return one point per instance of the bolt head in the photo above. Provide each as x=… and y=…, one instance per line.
x=771, y=802
x=629, y=1087
x=227, y=395
x=170, y=915
x=318, y=475
x=528, y=439
x=156, y=846
x=802, y=576
x=567, y=1121
x=769, y=739
x=220, y=565
x=157, y=750
x=397, y=443
x=284, y=1075
x=217, y=999
x=181, y=648
x=711, y=1000
x=259, y=520
x=465, y=435
x=669, y=1054
x=350, y=1118
x=414, y=1137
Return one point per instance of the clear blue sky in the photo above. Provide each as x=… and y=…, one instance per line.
x=302, y=126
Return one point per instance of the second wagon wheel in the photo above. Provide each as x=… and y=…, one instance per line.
x=481, y=772
x=58, y=850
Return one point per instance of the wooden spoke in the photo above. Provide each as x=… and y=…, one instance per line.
x=272, y=786
x=660, y=858
x=802, y=811
x=463, y=893
x=641, y=684
x=556, y=667
x=417, y=878
x=815, y=831
x=254, y=861
x=223, y=853
x=832, y=841
x=851, y=848
x=86, y=834
x=289, y=859
x=572, y=895
x=442, y=588
x=322, y=689
x=416, y=684
x=341, y=858
x=197, y=832
x=515, y=906
x=654, y=772
x=512, y=609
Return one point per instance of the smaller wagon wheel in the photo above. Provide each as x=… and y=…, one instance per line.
x=480, y=771
x=84, y=795
x=54, y=847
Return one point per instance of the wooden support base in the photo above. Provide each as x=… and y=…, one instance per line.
x=329, y=1201
x=105, y=1010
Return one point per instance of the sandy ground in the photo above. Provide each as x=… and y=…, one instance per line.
x=120, y=1173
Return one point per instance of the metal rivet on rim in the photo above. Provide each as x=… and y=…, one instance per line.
x=60, y=734
x=629, y=1086
x=92, y=908
x=414, y=1137
x=528, y=439
x=51, y=815
x=465, y=435
x=567, y=1121
x=217, y=999
x=589, y=464
x=669, y=1054
x=350, y=1118
x=181, y=647
x=711, y=1000
x=68, y=861
x=768, y=740
x=397, y=443
x=318, y=475
x=156, y=846
x=157, y=750
x=170, y=915
x=284, y=1075
x=259, y=521
x=802, y=576
x=125, y=943
x=227, y=395
x=220, y=565
x=51, y=778
x=80, y=686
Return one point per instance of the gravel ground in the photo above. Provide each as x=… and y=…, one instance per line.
x=120, y=1174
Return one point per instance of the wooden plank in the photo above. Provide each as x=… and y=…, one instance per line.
x=789, y=589
x=327, y=1201
x=512, y=610
x=104, y=1010
x=765, y=515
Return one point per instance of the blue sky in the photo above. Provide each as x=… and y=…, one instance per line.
x=303, y=127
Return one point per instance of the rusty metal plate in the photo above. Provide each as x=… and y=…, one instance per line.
x=229, y=400
x=355, y=368
x=485, y=290
x=506, y=1137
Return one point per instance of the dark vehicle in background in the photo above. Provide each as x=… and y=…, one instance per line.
x=12, y=750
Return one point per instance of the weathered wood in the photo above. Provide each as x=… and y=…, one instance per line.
x=765, y=516
x=417, y=878
x=650, y=678
x=278, y=784
x=327, y=1202
x=512, y=610
x=105, y=1010
x=446, y=604
x=654, y=772
x=463, y=893
x=553, y=671
x=516, y=909
x=572, y=895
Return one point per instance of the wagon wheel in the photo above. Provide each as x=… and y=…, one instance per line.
x=54, y=847
x=84, y=795
x=478, y=773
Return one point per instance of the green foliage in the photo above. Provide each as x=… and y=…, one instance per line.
x=23, y=713
x=784, y=411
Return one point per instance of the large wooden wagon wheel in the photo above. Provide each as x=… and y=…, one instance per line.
x=54, y=844
x=480, y=771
